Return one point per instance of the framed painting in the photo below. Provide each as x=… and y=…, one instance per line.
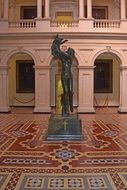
x=98, y=12
x=103, y=79
x=29, y=12
x=25, y=76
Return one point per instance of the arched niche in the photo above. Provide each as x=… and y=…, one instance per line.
x=21, y=80
x=107, y=80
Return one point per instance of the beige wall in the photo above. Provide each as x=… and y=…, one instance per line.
x=86, y=51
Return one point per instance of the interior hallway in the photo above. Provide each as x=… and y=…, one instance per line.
x=29, y=162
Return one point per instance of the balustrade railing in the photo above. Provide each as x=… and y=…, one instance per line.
x=64, y=23
x=97, y=23
x=100, y=23
x=22, y=24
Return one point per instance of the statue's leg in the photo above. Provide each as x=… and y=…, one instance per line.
x=66, y=102
x=70, y=94
x=65, y=105
x=71, y=101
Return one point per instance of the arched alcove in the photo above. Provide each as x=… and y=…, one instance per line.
x=107, y=80
x=21, y=80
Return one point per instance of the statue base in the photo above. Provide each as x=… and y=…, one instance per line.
x=64, y=128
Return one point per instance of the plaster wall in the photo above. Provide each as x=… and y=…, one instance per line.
x=87, y=51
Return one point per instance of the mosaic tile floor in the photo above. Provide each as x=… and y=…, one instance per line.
x=29, y=162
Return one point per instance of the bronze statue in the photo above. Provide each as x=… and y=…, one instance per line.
x=66, y=75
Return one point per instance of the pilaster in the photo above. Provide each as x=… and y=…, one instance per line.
x=123, y=89
x=4, y=99
x=42, y=89
x=86, y=89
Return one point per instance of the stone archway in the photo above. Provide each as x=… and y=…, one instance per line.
x=107, y=80
x=21, y=80
x=5, y=99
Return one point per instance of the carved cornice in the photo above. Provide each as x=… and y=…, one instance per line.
x=123, y=67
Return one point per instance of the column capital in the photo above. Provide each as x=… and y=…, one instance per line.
x=123, y=67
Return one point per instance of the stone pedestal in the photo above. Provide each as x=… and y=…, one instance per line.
x=64, y=128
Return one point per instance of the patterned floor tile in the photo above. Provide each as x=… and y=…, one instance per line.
x=4, y=179
x=30, y=162
x=123, y=177
x=65, y=182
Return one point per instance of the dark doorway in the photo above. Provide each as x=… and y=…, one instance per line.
x=25, y=76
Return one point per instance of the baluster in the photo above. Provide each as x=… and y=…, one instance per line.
x=109, y=24
x=105, y=24
x=71, y=23
x=30, y=24
x=113, y=24
x=17, y=24
x=25, y=24
x=101, y=24
x=21, y=24
x=97, y=24
x=117, y=24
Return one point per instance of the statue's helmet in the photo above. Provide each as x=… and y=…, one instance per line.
x=71, y=52
x=58, y=39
